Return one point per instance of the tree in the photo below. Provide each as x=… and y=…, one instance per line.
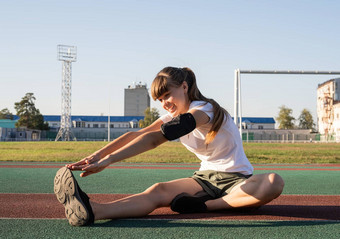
x=29, y=116
x=306, y=120
x=5, y=114
x=150, y=115
x=285, y=119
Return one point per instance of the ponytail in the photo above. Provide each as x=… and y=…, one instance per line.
x=195, y=94
x=172, y=76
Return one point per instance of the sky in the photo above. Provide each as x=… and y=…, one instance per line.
x=121, y=42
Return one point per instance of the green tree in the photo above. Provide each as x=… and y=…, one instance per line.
x=29, y=115
x=285, y=118
x=306, y=120
x=150, y=115
x=5, y=114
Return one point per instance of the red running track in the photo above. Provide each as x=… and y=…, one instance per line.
x=286, y=207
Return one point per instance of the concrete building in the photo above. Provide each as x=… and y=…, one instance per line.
x=328, y=109
x=136, y=100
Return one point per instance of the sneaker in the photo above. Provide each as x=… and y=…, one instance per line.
x=78, y=210
x=185, y=203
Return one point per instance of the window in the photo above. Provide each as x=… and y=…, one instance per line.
x=95, y=125
x=260, y=127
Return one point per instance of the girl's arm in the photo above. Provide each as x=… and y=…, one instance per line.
x=115, y=145
x=140, y=144
x=146, y=139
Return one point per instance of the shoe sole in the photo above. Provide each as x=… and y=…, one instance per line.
x=66, y=190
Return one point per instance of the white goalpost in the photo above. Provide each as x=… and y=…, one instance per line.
x=237, y=87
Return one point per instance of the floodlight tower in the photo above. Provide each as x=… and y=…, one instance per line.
x=66, y=54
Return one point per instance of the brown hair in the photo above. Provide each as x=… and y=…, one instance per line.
x=174, y=77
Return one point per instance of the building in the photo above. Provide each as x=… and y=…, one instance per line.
x=279, y=135
x=96, y=127
x=83, y=128
x=258, y=123
x=136, y=100
x=328, y=109
x=262, y=129
x=85, y=121
x=8, y=131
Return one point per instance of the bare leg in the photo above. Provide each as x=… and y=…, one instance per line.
x=158, y=195
x=255, y=191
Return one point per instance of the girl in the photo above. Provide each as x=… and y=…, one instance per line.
x=224, y=180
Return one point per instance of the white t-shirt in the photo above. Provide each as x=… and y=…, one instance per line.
x=225, y=153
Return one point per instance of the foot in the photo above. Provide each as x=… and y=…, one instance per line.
x=78, y=210
x=185, y=203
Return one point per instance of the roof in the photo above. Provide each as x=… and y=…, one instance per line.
x=258, y=120
x=327, y=82
x=87, y=118
x=5, y=123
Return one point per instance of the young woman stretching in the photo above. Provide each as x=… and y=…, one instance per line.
x=224, y=180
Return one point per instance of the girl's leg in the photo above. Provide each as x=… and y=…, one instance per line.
x=255, y=191
x=158, y=195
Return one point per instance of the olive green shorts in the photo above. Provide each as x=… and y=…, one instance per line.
x=217, y=184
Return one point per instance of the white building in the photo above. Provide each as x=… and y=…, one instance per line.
x=85, y=121
x=86, y=127
x=328, y=109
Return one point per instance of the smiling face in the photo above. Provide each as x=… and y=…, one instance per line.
x=175, y=100
x=170, y=87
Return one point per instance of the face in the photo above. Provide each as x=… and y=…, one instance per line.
x=176, y=100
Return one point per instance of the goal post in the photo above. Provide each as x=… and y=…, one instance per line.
x=237, y=87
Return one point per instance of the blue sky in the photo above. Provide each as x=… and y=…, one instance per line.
x=120, y=42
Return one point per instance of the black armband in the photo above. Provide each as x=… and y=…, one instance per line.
x=178, y=126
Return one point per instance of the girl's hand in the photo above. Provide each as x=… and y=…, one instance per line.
x=94, y=167
x=84, y=162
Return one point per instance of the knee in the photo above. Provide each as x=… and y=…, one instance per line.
x=276, y=184
x=157, y=192
x=157, y=188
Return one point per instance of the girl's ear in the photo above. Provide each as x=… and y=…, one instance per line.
x=185, y=86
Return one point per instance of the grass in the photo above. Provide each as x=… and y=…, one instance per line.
x=170, y=152
x=300, y=153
